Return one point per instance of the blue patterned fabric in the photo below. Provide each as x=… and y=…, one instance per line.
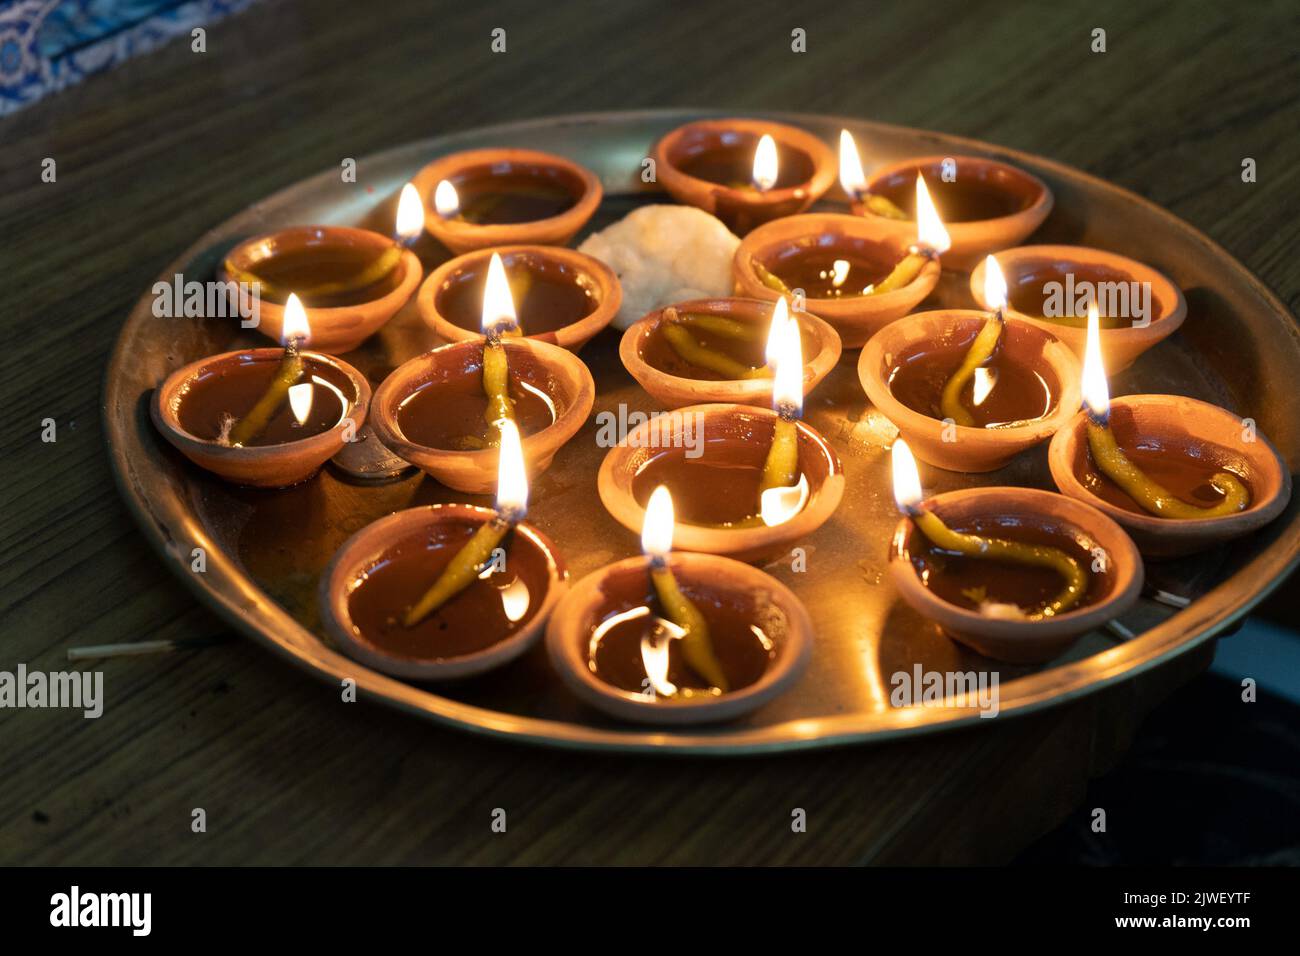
x=47, y=45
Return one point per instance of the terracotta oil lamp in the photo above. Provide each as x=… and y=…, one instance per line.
x=441, y=411
x=351, y=281
x=857, y=274
x=495, y=197
x=446, y=591
x=713, y=350
x=746, y=172
x=561, y=296
x=970, y=390
x=749, y=482
x=1059, y=280
x=1179, y=475
x=986, y=205
x=1017, y=574
x=678, y=638
x=263, y=417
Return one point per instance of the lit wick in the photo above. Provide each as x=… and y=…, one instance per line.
x=470, y=560
x=410, y=216
x=907, y=495
x=446, y=201
x=498, y=320
x=931, y=242
x=854, y=182
x=765, y=164
x=657, y=543
x=783, y=490
x=785, y=355
x=981, y=350
x=1096, y=392
x=1111, y=461
x=293, y=335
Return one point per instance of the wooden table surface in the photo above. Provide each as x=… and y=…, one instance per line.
x=155, y=152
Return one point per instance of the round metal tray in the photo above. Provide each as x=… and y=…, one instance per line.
x=265, y=549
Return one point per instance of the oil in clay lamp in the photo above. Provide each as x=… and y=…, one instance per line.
x=1179, y=474
x=756, y=482
x=263, y=417
x=856, y=275
x=351, y=281
x=745, y=172
x=560, y=295
x=970, y=390
x=713, y=350
x=447, y=591
x=483, y=198
x=678, y=638
x=845, y=278
x=987, y=205
x=1048, y=285
x=442, y=411
x=1017, y=574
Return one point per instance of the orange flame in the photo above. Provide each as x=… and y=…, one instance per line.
x=907, y=480
x=765, y=164
x=1096, y=393
x=410, y=214
x=852, y=179
x=498, y=304
x=930, y=232
x=512, y=477
x=657, y=529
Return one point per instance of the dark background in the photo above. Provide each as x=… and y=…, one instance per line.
x=157, y=151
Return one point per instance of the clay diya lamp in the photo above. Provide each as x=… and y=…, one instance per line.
x=264, y=417
x=678, y=639
x=561, y=296
x=351, y=281
x=1180, y=475
x=746, y=172
x=715, y=350
x=970, y=390
x=853, y=272
x=1139, y=305
x=496, y=197
x=445, y=591
x=440, y=411
x=1017, y=574
x=749, y=483
x=986, y=205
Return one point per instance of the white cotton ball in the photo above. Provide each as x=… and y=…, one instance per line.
x=664, y=254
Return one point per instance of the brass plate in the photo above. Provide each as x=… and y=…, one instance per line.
x=265, y=549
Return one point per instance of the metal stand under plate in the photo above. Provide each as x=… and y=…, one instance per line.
x=368, y=459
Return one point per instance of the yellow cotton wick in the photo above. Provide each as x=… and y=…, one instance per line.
x=496, y=385
x=461, y=572
x=1149, y=494
x=999, y=549
x=259, y=416
x=697, y=646
x=981, y=350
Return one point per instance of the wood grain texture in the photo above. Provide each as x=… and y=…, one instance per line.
x=154, y=153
